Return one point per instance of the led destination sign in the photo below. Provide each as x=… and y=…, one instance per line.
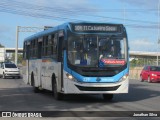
x=95, y=28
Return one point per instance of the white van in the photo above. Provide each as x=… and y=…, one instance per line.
x=9, y=70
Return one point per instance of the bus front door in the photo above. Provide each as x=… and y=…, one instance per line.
x=39, y=66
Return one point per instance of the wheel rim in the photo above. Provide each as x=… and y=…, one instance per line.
x=56, y=94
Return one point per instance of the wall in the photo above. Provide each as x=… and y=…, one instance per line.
x=134, y=73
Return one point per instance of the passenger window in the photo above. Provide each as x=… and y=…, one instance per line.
x=40, y=47
x=45, y=46
x=53, y=46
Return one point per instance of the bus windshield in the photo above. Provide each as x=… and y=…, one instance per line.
x=96, y=51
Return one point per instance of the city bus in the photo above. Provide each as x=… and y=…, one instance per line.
x=78, y=58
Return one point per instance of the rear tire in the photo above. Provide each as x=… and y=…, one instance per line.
x=57, y=95
x=108, y=97
x=141, y=79
x=35, y=89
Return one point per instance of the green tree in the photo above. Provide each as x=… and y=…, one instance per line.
x=136, y=62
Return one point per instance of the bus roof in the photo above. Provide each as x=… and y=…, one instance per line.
x=45, y=32
x=63, y=26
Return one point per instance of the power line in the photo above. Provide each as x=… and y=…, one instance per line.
x=22, y=9
x=50, y=17
x=28, y=5
x=43, y=8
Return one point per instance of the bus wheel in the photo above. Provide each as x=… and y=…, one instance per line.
x=35, y=89
x=108, y=97
x=57, y=95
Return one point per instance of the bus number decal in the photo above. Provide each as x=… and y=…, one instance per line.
x=86, y=79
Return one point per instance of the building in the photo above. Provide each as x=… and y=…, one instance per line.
x=2, y=54
x=6, y=52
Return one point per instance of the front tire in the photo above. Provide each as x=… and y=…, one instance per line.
x=108, y=97
x=57, y=95
x=149, y=80
x=4, y=77
x=141, y=79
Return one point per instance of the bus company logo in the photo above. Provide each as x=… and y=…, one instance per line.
x=98, y=79
x=6, y=114
x=21, y=114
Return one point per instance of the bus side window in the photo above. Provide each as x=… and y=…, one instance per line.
x=36, y=49
x=52, y=44
x=60, y=50
x=27, y=51
x=49, y=45
x=30, y=50
x=54, y=50
x=33, y=48
x=45, y=46
x=40, y=47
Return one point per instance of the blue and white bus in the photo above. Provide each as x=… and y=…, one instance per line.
x=78, y=58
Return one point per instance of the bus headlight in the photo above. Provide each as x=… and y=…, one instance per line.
x=69, y=76
x=124, y=77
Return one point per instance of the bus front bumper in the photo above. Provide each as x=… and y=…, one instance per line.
x=72, y=87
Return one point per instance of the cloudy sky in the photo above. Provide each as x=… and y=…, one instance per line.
x=139, y=16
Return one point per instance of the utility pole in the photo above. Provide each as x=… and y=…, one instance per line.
x=158, y=32
x=16, y=50
x=24, y=29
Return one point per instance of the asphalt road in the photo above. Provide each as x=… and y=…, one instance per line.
x=16, y=96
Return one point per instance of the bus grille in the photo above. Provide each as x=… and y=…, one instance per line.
x=82, y=88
